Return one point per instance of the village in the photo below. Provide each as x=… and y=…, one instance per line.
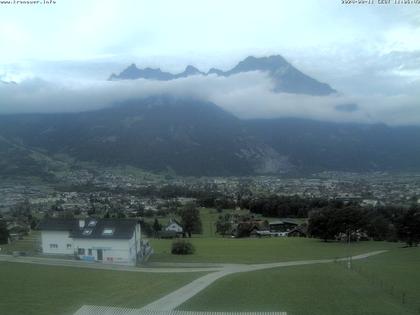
x=127, y=196
x=79, y=189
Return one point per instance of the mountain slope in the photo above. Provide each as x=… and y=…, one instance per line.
x=191, y=137
x=158, y=134
x=286, y=78
x=318, y=146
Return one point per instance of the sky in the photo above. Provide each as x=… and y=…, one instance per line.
x=369, y=53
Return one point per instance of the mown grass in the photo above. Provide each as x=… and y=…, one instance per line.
x=30, y=244
x=45, y=290
x=396, y=272
x=212, y=248
x=262, y=250
x=324, y=289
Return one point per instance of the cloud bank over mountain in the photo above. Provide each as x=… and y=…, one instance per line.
x=247, y=95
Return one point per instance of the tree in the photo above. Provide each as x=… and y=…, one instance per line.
x=224, y=225
x=146, y=228
x=321, y=224
x=329, y=222
x=4, y=233
x=408, y=226
x=121, y=215
x=190, y=219
x=378, y=228
x=157, y=227
x=22, y=209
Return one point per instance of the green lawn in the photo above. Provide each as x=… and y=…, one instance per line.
x=30, y=244
x=45, y=290
x=327, y=289
x=396, y=272
x=211, y=247
x=262, y=250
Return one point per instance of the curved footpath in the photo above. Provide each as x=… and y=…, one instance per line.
x=178, y=297
x=171, y=301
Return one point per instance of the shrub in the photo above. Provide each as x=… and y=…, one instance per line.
x=181, y=247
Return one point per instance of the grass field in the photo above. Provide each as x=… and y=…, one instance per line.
x=211, y=247
x=381, y=285
x=45, y=290
x=255, y=250
x=209, y=217
x=30, y=244
x=328, y=289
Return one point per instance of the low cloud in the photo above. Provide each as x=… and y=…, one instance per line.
x=247, y=95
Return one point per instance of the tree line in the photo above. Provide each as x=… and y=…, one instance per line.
x=352, y=222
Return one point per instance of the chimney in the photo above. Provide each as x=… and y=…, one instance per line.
x=81, y=223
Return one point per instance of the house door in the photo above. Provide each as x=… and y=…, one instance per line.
x=100, y=254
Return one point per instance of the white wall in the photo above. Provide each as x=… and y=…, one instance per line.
x=135, y=243
x=59, y=238
x=174, y=227
x=114, y=251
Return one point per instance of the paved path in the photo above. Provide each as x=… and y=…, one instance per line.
x=183, y=294
x=176, y=298
x=49, y=261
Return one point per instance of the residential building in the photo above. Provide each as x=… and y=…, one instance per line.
x=116, y=241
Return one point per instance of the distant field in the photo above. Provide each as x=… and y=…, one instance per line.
x=208, y=217
x=45, y=290
x=30, y=244
x=211, y=247
x=327, y=289
x=262, y=250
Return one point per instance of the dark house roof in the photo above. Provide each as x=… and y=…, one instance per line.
x=52, y=224
x=301, y=230
x=93, y=228
x=284, y=222
x=106, y=228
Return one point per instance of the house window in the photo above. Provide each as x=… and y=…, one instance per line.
x=81, y=251
x=108, y=231
x=68, y=246
x=87, y=232
x=53, y=246
x=90, y=251
x=92, y=223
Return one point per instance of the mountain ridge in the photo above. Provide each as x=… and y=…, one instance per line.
x=286, y=77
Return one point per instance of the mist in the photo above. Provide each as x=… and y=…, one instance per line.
x=246, y=95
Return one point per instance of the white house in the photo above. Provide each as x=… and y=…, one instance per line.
x=173, y=226
x=116, y=241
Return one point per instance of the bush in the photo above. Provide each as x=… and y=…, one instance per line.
x=182, y=248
